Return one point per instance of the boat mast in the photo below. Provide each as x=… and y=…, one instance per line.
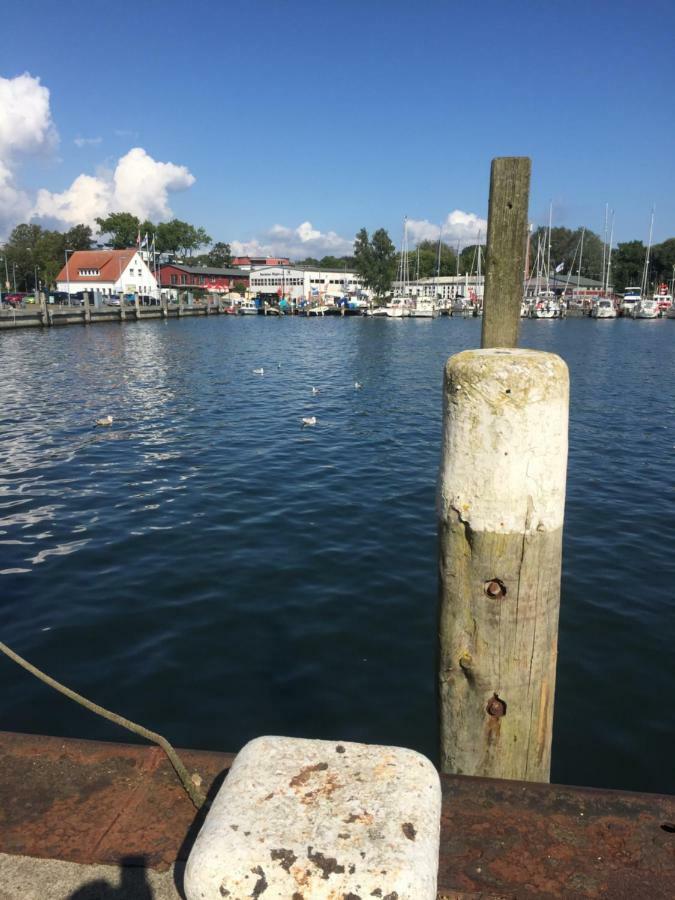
x=604, y=247
x=609, y=254
x=526, y=273
x=548, y=258
x=645, y=270
x=438, y=261
x=581, y=258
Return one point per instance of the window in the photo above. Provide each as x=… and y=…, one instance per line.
x=174, y=279
x=183, y=279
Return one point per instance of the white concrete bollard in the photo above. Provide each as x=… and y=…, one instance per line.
x=501, y=504
x=319, y=820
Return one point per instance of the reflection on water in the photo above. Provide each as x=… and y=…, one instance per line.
x=209, y=567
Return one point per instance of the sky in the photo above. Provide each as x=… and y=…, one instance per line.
x=284, y=126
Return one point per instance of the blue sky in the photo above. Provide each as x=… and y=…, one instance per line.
x=346, y=114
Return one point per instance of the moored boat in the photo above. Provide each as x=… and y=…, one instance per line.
x=603, y=309
x=646, y=308
x=424, y=308
x=631, y=296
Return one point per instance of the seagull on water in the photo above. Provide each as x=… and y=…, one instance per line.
x=259, y=371
x=104, y=420
x=357, y=385
x=315, y=390
x=308, y=420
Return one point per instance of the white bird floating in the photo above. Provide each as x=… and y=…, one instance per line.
x=105, y=420
x=315, y=390
x=308, y=420
x=259, y=371
x=357, y=385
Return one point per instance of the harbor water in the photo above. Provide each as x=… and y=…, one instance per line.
x=210, y=568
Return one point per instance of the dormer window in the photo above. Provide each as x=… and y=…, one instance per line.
x=89, y=271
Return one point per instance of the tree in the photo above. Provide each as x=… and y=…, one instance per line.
x=566, y=251
x=663, y=257
x=627, y=264
x=219, y=256
x=375, y=260
x=123, y=228
x=363, y=256
x=427, y=253
x=78, y=238
x=308, y=261
x=176, y=237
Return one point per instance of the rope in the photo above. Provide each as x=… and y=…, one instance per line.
x=186, y=780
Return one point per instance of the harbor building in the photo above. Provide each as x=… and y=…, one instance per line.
x=249, y=262
x=295, y=283
x=108, y=272
x=176, y=276
x=446, y=287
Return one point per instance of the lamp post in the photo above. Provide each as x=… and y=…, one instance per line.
x=37, y=287
x=14, y=275
x=6, y=281
x=66, y=251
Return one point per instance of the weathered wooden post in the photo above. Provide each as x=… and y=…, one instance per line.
x=501, y=501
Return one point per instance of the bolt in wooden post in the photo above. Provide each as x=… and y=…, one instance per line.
x=506, y=243
x=501, y=503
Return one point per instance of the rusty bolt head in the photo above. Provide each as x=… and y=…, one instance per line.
x=495, y=588
x=496, y=707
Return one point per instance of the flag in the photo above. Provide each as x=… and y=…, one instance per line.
x=138, y=239
x=560, y=267
x=145, y=240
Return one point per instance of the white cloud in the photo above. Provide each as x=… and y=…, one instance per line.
x=459, y=226
x=25, y=127
x=139, y=184
x=15, y=204
x=142, y=184
x=296, y=243
x=25, y=119
x=87, y=142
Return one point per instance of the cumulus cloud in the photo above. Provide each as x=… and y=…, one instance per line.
x=296, y=243
x=139, y=184
x=26, y=127
x=87, y=142
x=25, y=119
x=461, y=226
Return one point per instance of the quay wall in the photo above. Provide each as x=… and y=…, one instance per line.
x=41, y=317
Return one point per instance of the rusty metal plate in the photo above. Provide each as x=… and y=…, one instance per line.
x=87, y=801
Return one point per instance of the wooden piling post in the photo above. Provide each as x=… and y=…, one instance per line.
x=506, y=243
x=500, y=503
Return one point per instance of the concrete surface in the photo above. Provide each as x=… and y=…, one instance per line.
x=28, y=878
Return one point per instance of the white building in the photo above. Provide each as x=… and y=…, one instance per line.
x=447, y=287
x=107, y=271
x=305, y=283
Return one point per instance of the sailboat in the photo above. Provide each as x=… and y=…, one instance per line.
x=646, y=307
x=423, y=307
x=401, y=303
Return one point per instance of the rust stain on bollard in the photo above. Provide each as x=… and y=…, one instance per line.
x=496, y=707
x=495, y=588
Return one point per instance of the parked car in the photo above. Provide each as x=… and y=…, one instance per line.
x=112, y=300
x=13, y=299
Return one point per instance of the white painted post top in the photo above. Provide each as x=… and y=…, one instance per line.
x=318, y=820
x=504, y=455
